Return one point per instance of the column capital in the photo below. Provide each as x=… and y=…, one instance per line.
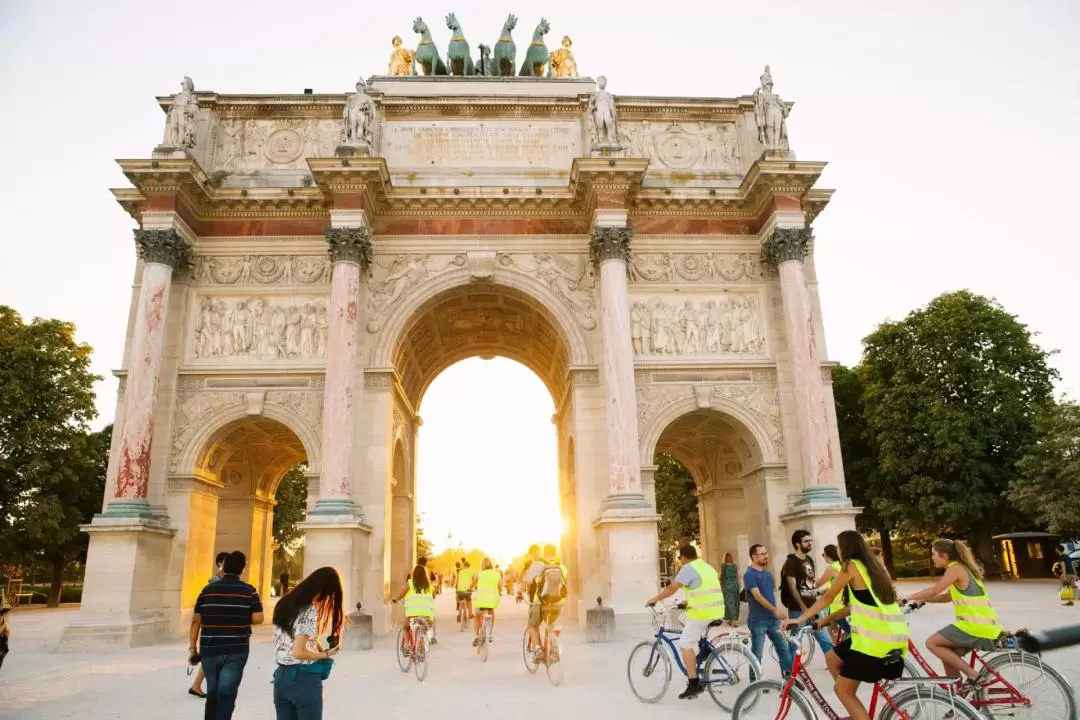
x=786, y=244
x=165, y=247
x=350, y=244
x=610, y=243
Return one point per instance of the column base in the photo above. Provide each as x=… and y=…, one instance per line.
x=339, y=541
x=629, y=550
x=122, y=604
x=831, y=514
x=128, y=509
x=820, y=496
x=343, y=508
x=626, y=504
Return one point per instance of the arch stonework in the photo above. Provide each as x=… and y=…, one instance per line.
x=670, y=276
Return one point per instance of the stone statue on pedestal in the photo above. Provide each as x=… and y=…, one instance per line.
x=180, y=125
x=359, y=119
x=601, y=115
x=770, y=113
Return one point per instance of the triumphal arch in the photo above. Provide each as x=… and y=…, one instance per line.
x=308, y=263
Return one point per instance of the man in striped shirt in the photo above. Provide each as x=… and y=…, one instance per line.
x=221, y=634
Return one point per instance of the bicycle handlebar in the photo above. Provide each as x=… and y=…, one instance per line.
x=1038, y=642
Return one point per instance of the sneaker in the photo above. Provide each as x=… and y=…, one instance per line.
x=476, y=642
x=693, y=689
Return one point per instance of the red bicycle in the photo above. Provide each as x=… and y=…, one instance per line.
x=795, y=697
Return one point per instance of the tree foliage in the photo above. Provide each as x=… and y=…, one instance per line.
x=291, y=508
x=950, y=397
x=1048, y=483
x=860, y=461
x=424, y=548
x=677, y=504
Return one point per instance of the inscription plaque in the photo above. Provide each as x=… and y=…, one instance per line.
x=457, y=143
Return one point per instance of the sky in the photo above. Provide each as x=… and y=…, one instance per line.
x=487, y=471
x=949, y=129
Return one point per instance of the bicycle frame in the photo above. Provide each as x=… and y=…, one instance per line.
x=1009, y=696
x=666, y=635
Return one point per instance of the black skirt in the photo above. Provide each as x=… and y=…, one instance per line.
x=866, y=668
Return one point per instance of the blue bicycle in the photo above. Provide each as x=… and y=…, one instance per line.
x=723, y=669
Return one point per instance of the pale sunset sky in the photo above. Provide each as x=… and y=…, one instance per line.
x=949, y=129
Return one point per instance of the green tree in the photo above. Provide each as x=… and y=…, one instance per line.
x=1048, y=484
x=950, y=398
x=424, y=548
x=677, y=504
x=291, y=508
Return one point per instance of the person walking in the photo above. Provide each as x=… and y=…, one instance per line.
x=284, y=580
x=729, y=580
x=763, y=614
x=303, y=619
x=797, y=578
x=220, y=635
x=196, y=688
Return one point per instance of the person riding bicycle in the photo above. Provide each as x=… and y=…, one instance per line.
x=704, y=604
x=466, y=579
x=547, y=595
x=487, y=597
x=879, y=634
x=419, y=597
x=976, y=626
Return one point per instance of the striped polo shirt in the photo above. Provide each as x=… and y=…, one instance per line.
x=226, y=607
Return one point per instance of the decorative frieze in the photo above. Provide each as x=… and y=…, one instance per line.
x=730, y=323
x=694, y=267
x=684, y=145
x=262, y=269
x=163, y=246
x=259, y=328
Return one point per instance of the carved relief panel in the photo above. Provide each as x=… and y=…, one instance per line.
x=677, y=325
x=262, y=269
x=257, y=328
x=718, y=268
x=253, y=144
x=677, y=146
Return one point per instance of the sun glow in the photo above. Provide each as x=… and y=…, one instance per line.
x=487, y=467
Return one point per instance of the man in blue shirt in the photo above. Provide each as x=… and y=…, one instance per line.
x=764, y=615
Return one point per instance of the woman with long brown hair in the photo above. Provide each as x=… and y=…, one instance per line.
x=976, y=626
x=879, y=634
x=313, y=610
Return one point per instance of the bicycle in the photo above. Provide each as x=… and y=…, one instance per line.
x=484, y=638
x=550, y=654
x=414, y=654
x=993, y=694
x=718, y=666
x=462, y=615
x=903, y=699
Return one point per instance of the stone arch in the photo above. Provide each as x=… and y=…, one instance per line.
x=396, y=323
x=193, y=453
x=754, y=426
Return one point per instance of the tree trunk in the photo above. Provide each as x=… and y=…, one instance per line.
x=886, y=550
x=983, y=547
x=57, y=582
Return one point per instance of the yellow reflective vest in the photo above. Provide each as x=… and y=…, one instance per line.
x=706, y=601
x=464, y=579
x=838, y=602
x=975, y=615
x=876, y=630
x=419, y=604
x=487, y=590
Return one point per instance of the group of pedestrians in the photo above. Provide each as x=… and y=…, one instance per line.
x=308, y=621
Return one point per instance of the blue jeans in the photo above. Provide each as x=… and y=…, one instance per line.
x=771, y=628
x=223, y=675
x=822, y=637
x=297, y=694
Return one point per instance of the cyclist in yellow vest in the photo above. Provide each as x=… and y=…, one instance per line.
x=419, y=597
x=976, y=626
x=487, y=597
x=466, y=579
x=704, y=605
x=833, y=567
x=879, y=634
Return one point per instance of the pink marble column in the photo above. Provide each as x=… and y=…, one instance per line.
x=610, y=249
x=350, y=253
x=786, y=248
x=162, y=251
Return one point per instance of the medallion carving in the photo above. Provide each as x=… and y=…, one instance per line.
x=571, y=280
x=730, y=323
x=262, y=269
x=695, y=267
x=683, y=146
x=258, y=328
x=256, y=144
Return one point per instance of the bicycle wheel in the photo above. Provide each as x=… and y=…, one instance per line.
x=553, y=662
x=809, y=647
x=485, y=638
x=729, y=668
x=1047, y=695
x=926, y=702
x=404, y=656
x=420, y=662
x=649, y=671
x=464, y=620
x=528, y=654
x=765, y=700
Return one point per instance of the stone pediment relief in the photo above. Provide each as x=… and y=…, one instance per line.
x=684, y=146
x=260, y=144
x=258, y=329
x=727, y=324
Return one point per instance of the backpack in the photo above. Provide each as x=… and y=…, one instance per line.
x=552, y=584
